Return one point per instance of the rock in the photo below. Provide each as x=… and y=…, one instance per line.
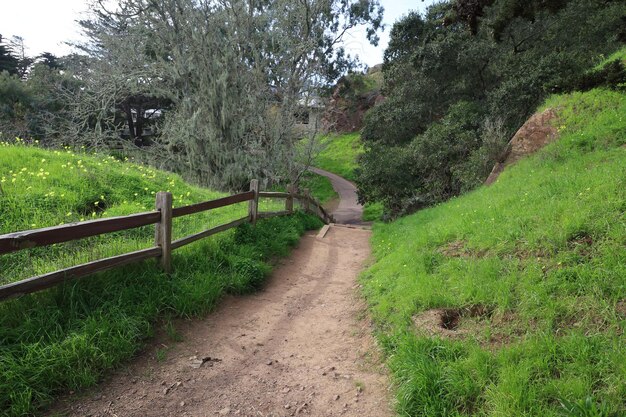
x=537, y=132
x=224, y=411
x=196, y=363
x=270, y=362
x=182, y=404
x=286, y=390
x=337, y=397
x=287, y=406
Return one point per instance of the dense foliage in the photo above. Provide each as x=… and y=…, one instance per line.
x=461, y=79
x=229, y=75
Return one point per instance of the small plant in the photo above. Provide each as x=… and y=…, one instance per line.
x=161, y=355
x=172, y=333
x=584, y=408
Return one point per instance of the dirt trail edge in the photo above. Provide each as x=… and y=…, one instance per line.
x=349, y=210
x=298, y=347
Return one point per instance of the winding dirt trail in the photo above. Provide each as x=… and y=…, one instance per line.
x=301, y=346
x=349, y=211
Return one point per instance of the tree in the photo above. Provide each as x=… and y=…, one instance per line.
x=15, y=105
x=23, y=61
x=502, y=56
x=8, y=61
x=234, y=72
x=49, y=60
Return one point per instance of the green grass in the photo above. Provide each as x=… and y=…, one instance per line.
x=321, y=188
x=372, y=212
x=543, y=250
x=340, y=154
x=67, y=337
x=621, y=55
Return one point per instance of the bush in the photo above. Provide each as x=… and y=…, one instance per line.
x=435, y=166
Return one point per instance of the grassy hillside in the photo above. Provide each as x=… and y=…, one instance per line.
x=618, y=55
x=321, y=188
x=340, y=154
x=511, y=300
x=65, y=338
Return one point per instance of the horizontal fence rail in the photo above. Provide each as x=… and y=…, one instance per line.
x=74, y=231
x=51, y=279
x=268, y=194
x=161, y=218
x=213, y=204
x=222, y=228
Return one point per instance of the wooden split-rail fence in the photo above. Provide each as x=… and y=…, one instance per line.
x=161, y=217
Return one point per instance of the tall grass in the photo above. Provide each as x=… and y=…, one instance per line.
x=67, y=337
x=544, y=251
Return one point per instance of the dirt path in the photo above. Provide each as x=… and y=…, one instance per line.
x=296, y=348
x=349, y=210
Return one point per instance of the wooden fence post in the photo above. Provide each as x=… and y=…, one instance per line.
x=289, y=200
x=163, y=230
x=307, y=200
x=253, y=208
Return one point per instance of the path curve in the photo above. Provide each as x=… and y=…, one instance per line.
x=349, y=210
x=295, y=348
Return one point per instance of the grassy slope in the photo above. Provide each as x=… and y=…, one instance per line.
x=545, y=248
x=321, y=188
x=621, y=55
x=65, y=338
x=340, y=154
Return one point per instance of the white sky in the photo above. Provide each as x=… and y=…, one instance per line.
x=46, y=24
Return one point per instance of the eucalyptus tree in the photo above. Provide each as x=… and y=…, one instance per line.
x=231, y=71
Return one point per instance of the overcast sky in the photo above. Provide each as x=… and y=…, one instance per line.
x=46, y=24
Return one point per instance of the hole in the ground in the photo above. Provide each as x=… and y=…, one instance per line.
x=450, y=319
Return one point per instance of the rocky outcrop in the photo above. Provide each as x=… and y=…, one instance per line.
x=352, y=97
x=537, y=132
